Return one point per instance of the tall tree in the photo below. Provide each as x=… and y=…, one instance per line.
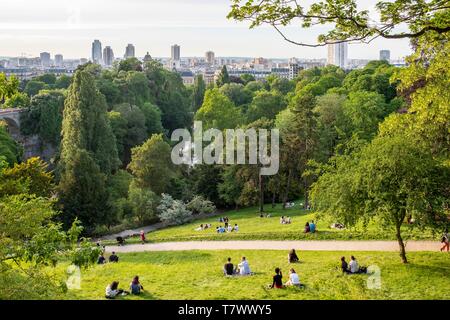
x=198, y=92
x=223, y=77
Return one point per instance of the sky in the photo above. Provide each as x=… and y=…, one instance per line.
x=68, y=27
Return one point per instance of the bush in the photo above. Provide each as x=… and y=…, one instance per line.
x=173, y=212
x=199, y=205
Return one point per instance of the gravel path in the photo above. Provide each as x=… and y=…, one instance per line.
x=322, y=245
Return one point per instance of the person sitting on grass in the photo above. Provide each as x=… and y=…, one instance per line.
x=112, y=290
x=120, y=241
x=344, y=265
x=307, y=228
x=101, y=259
x=353, y=265
x=292, y=256
x=288, y=220
x=277, y=279
x=312, y=227
x=244, y=268
x=236, y=227
x=135, y=286
x=228, y=268
x=230, y=228
x=282, y=221
x=113, y=257
x=294, y=279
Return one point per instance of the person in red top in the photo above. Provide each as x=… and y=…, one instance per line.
x=142, y=236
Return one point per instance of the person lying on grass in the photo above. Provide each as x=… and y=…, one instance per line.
x=112, y=290
x=135, y=286
x=294, y=279
x=244, y=268
x=292, y=256
x=277, y=279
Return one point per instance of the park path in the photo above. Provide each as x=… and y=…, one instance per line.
x=320, y=245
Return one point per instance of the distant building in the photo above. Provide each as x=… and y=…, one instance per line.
x=59, y=60
x=147, y=57
x=129, y=51
x=385, y=55
x=45, y=59
x=338, y=54
x=208, y=76
x=175, y=52
x=187, y=76
x=108, y=56
x=97, y=52
x=210, y=57
x=281, y=72
x=294, y=69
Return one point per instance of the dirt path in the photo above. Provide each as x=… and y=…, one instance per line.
x=322, y=245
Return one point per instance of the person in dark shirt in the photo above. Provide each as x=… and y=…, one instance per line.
x=228, y=268
x=344, y=265
x=277, y=279
x=292, y=256
x=113, y=257
x=307, y=229
x=101, y=259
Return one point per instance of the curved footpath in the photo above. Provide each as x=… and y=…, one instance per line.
x=320, y=245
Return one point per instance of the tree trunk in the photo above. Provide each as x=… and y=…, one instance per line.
x=261, y=193
x=286, y=193
x=401, y=244
x=274, y=196
x=305, y=185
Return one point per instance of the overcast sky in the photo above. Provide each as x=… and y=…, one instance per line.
x=69, y=26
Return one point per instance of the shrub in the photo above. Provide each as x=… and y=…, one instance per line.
x=200, y=205
x=173, y=212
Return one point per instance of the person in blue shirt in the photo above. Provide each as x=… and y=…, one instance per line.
x=312, y=227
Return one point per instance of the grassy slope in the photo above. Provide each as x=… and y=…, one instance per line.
x=252, y=227
x=197, y=275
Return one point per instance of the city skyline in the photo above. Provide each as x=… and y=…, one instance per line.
x=154, y=26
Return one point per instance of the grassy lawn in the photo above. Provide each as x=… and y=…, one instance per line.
x=197, y=275
x=252, y=227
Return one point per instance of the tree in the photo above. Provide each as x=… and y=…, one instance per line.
x=151, y=164
x=236, y=93
x=265, y=104
x=86, y=126
x=223, y=77
x=198, y=92
x=63, y=82
x=8, y=87
x=143, y=202
x=18, y=100
x=246, y=78
x=44, y=116
x=199, y=205
x=33, y=87
x=130, y=64
x=391, y=177
x=152, y=116
x=348, y=23
x=10, y=151
x=173, y=212
x=218, y=111
x=82, y=191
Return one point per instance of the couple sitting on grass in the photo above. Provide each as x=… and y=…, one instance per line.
x=294, y=280
x=113, y=290
x=242, y=269
x=352, y=267
x=112, y=258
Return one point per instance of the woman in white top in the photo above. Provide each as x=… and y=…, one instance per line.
x=294, y=279
x=244, y=268
x=353, y=265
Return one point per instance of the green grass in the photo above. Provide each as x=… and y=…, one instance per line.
x=252, y=227
x=197, y=275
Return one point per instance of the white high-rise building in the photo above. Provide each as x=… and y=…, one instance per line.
x=97, y=52
x=385, y=55
x=108, y=56
x=129, y=51
x=210, y=57
x=338, y=54
x=59, y=60
x=45, y=59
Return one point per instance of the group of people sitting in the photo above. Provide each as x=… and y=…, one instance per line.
x=242, y=269
x=285, y=220
x=352, y=267
x=113, y=290
x=227, y=228
x=277, y=280
x=112, y=258
x=203, y=227
x=337, y=225
x=262, y=215
x=310, y=227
